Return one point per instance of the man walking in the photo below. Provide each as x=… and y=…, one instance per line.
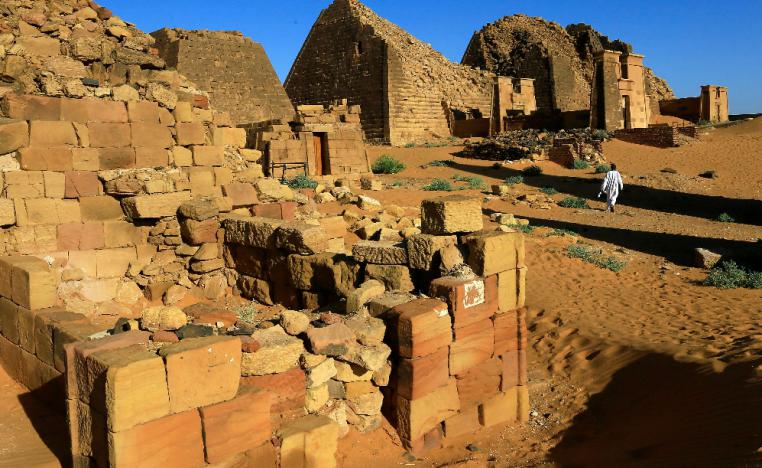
x=611, y=186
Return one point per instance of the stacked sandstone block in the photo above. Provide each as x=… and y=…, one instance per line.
x=459, y=355
x=339, y=125
x=32, y=330
x=96, y=184
x=131, y=406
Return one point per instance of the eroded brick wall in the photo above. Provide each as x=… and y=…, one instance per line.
x=234, y=70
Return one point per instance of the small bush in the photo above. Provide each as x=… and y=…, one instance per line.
x=525, y=228
x=439, y=185
x=580, y=164
x=595, y=257
x=441, y=163
x=602, y=168
x=398, y=183
x=725, y=218
x=410, y=145
x=601, y=135
x=386, y=164
x=562, y=232
x=729, y=275
x=574, y=202
x=549, y=191
x=514, y=180
x=474, y=182
x=301, y=182
x=532, y=171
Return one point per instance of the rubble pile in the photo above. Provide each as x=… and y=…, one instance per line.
x=563, y=146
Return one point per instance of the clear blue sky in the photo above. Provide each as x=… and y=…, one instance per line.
x=687, y=42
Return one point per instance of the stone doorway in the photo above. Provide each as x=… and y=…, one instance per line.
x=322, y=162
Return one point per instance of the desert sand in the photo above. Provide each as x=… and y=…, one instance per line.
x=645, y=367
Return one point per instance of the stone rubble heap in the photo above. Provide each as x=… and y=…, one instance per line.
x=563, y=146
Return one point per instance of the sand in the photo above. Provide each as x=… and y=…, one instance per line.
x=645, y=367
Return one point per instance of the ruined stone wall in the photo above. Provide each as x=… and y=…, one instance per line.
x=561, y=60
x=234, y=70
x=342, y=58
x=405, y=87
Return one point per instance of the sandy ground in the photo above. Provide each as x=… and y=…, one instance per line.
x=645, y=367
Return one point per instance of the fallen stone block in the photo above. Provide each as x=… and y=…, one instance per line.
x=154, y=206
x=202, y=371
x=362, y=295
x=199, y=209
x=163, y=318
x=278, y=352
x=423, y=250
x=300, y=238
x=394, y=277
x=199, y=232
x=242, y=194
x=271, y=190
x=287, y=389
x=333, y=340
x=451, y=214
x=380, y=252
x=251, y=231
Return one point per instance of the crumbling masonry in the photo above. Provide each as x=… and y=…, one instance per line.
x=134, y=217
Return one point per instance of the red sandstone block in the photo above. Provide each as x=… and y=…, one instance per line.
x=500, y=409
x=415, y=418
x=288, y=389
x=202, y=371
x=44, y=324
x=473, y=345
x=480, y=382
x=235, y=426
x=29, y=107
x=418, y=377
x=34, y=284
x=283, y=210
x=190, y=133
x=432, y=440
x=151, y=157
x=116, y=158
x=199, y=232
x=464, y=423
x=66, y=333
x=51, y=134
x=470, y=300
x=514, y=369
x=173, y=440
x=143, y=111
x=46, y=159
x=80, y=236
x=494, y=252
x=76, y=354
x=150, y=135
x=423, y=327
x=242, y=194
x=109, y=135
x=510, y=331
x=101, y=110
x=82, y=184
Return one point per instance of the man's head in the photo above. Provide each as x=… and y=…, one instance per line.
x=613, y=167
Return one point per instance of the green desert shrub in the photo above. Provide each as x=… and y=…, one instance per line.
x=561, y=232
x=441, y=163
x=602, y=168
x=549, y=191
x=525, y=228
x=472, y=182
x=730, y=275
x=725, y=218
x=439, y=185
x=580, y=164
x=574, y=202
x=595, y=257
x=532, y=171
x=386, y=164
x=301, y=182
x=514, y=180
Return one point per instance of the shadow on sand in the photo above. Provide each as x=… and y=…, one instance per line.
x=744, y=211
x=45, y=408
x=660, y=412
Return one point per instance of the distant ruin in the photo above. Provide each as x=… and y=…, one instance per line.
x=233, y=69
x=619, y=99
x=711, y=106
x=408, y=92
x=560, y=60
